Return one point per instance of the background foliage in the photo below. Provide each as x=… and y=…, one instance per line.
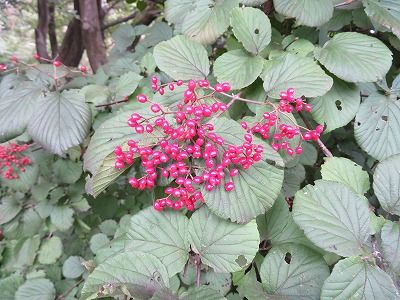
x=323, y=225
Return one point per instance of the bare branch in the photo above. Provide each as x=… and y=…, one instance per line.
x=42, y=29
x=119, y=21
x=52, y=30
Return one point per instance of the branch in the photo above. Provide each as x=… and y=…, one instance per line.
x=344, y=3
x=112, y=103
x=52, y=30
x=119, y=21
x=324, y=149
x=42, y=29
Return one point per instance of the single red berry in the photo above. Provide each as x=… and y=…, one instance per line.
x=56, y=63
x=155, y=108
x=36, y=56
x=3, y=67
x=154, y=80
x=142, y=98
x=83, y=69
x=299, y=150
x=229, y=186
x=226, y=87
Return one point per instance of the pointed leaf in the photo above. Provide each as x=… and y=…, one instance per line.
x=182, y=58
x=140, y=274
x=337, y=107
x=353, y=278
x=345, y=171
x=162, y=234
x=377, y=126
x=300, y=73
x=62, y=121
x=222, y=245
x=387, y=184
x=293, y=272
x=385, y=13
x=333, y=217
x=252, y=28
x=355, y=57
x=238, y=68
x=306, y=12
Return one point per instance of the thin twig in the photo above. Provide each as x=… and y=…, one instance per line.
x=324, y=149
x=119, y=21
x=112, y=103
x=347, y=2
x=69, y=290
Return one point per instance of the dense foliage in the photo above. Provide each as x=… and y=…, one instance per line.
x=229, y=150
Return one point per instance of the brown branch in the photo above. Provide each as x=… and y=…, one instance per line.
x=344, y=3
x=69, y=290
x=324, y=149
x=52, y=30
x=268, y=7
x=92, y=34
x=42, y=29
x=112, y=103
x=119, y=21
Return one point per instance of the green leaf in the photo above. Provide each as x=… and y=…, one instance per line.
x=222, y=245
x=390, y=236
x=337, y=107
x=140, y=274
x=182, y=58
x=8, y=286
x=301, y=47
x=345, y=171
x=355, y=57
x=72, y=267
x=385, y=13
x=293, y=178
x=203, y=292
x=36, y=289
x=62, y=217
x=220, y=282
x=250, y=287
x=176, y=10
x=18, y=102
x=307, y=12
x=208, y=20
x=123, y=36
x=98, y=241
x=67, y=171
x=377, y=126
x=9, y=208
x=62, y=121
x=108, y=227
x=354, y=278
x=278, y=226
x=293, y=272
x=249, y=198
x=162, y=234
x=252, y=28
x=238, y=68
x=333, y=217
x=50, y=250
x=387, y=184
x=96, y=94
x=127, y=84
x=300, y=73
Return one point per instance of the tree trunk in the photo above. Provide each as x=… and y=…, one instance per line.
x=71, y=50
x=42, y=29
x=91, y=33
x=52, y=31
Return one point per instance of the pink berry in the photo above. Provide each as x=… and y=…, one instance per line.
x=57, y=63
x=142, y=98
x=155, y=108
x=229, y=186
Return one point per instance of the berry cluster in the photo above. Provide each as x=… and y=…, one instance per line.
x=12, y=160
x=189, y=153
x=270, y=126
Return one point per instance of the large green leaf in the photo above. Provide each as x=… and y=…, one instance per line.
x=9, y=285
x=333, y=217
x=355, y=278
x=50, y=250
x=306, y=12
x=161, y=234
x=238, y=68
x=9, y=208
x=127, y=84
x=385, y=13
x=62, y=120
x=355, y=57
x=182, y=58
x=337, y=107
x=140, y=274
x=293, y=178
x=36, y=289
x=345, y=171
x=222, y=245
x=18, y=102
x=255, y=189
x=208, y=20
x=387, y=184
x=300, y=73
x=390, y=236
x=252, y=28
x=377, y=126
x=293, y=272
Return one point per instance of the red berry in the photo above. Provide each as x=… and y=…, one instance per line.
x=229, y=186
x=141, y=98
x=155, y=108
x=36, y=56
x=83, y=69
x=57, y=63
